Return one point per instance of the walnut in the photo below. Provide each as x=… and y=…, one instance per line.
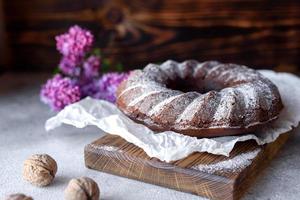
x=39, y=169
x=18, y=197
x=82, y=189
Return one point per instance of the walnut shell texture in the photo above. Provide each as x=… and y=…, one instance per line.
x=83, y=188
x=39, y=169
x=18, y=196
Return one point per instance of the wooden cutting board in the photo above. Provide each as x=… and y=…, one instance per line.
x=204, y=174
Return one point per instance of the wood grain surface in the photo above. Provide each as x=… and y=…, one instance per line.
x=261, y=34
x=114, y=155
x=4, y=50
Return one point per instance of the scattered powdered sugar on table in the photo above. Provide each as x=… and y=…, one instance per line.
x=106, y=148
x=234, y=164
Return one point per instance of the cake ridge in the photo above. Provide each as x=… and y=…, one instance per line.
x=222, y=111
x=188, y=112
x=140, y=98
x=156, y=109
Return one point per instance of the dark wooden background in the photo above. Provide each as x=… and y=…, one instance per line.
x=258, y=33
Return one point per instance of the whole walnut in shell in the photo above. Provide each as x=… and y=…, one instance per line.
x=18, y=197
x=39, y=169
x=83, y=188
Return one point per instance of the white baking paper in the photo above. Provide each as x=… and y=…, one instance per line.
x=170, y=146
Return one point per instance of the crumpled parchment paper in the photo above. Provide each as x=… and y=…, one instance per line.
x=170, y=146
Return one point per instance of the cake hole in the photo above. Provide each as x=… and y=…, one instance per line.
x=186, y=85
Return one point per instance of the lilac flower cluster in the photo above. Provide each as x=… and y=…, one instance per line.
x=91, y=67
x=106, y=87
x=76, y=42
x=74, y=45
x=79, y=72
x=59, y=92
x=70, y=65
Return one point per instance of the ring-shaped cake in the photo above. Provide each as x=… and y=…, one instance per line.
x=205, y=99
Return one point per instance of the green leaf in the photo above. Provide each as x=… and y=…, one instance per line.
x=119, y=67
x=105, y=65
x=56, y=70
x=106, y=61
x=96, y=51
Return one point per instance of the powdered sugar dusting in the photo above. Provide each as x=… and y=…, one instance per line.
x=149, y=86
x=239, y=73
x=225, y=105
x=169, y=70
x=143, y=96
x=130, y=88
x=234, y=164
x=199, y=66
x=215, y=68
x=250, y=95
x=159, y=106
x=182, y=70
x=191, y=109
x=268, y=95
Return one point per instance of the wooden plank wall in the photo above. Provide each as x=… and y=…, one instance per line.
x=258, y=33
x=4, y=52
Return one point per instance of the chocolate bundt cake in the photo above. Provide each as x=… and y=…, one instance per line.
x=199, y=99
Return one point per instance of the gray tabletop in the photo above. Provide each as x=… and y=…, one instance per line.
x=22, y=133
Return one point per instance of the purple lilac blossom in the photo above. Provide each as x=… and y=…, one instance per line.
x=59, y=92
x=76, y=41
x=89, y=87
x=107, y=85
x=70, y=65
x=91, y=67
